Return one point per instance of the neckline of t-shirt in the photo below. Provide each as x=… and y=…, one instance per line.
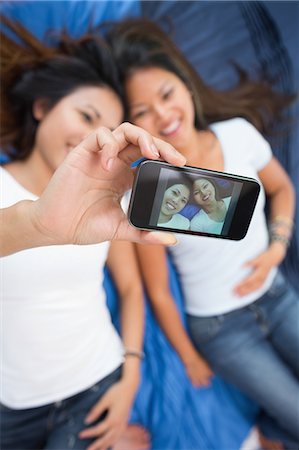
x=19, y=185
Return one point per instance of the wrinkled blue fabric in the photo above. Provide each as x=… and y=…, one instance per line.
x=177, y=415
x=257, y=35
x=261, y=37
x=73, y=15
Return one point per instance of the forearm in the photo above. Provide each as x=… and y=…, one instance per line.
x=132, y=323
x=282, y=206
x=17, y=229
x=171, y=323
x=282, y=203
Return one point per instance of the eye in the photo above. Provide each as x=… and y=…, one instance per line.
x=167, y=94
x=87, y=117
x=138, y=114
x=176, y=193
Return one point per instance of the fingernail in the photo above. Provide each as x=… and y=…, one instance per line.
x=166, y=238
x=87, y=420
x=109, y=164
x=155, y=150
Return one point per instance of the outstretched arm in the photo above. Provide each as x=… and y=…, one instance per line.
x=81, y=202
x=153, y=263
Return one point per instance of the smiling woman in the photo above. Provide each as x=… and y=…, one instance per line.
x=211, y=217
x=149, y=108
x=174, y=200
x=223, y=282
x=57, y=331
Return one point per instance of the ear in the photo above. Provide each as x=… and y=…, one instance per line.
x=40, y=108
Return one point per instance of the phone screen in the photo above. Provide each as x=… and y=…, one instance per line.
x=192, y=200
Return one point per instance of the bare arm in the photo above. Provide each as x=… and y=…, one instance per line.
x=281, y=193
x=122, y=263
x=279, y=188
x=80, y=205
x=153, y=264
x=17, y=229
x=119, y=398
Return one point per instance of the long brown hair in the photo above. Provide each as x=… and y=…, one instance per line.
x=140, y=43
x=31, y=70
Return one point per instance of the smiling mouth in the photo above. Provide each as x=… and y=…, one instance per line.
x=206, y=197
x=171, y=129
x=170, y=206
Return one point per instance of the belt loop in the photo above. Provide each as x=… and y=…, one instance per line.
x=220, y=318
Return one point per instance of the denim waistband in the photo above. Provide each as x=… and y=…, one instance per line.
x=278, y=281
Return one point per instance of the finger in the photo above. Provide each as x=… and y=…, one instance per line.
x=257, y=276
x=98, y=409
x=152, y=148
x=253, y=262
x=127, y=134
x=103, y=443
x=206, y=382
x=249, y=285
x=103, y=142
x=95, y=431
x=169, y=153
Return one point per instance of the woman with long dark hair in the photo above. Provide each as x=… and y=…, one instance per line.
x=67, y=379
x=241, y=313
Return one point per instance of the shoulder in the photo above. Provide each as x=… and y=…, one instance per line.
x=181, y=221
x=227, y=200
x=235, y=124
x=5, y=175
x=238, y=134
x=200, y=216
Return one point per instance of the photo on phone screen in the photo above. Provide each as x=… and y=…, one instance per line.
x=192, y=200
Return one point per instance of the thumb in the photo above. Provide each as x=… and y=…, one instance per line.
x=129, y=233
x=158, y=237
x=252, y=263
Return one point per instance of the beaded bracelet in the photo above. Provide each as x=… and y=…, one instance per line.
x=282, y=221
x=134, y=353
x=279, y=238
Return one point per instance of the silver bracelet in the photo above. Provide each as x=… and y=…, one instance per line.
x=279, y=238
x=134, y=353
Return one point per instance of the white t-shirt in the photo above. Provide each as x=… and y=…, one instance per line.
x=177, y=221
x=57, y=338
x=209, y=268
x=202, y=222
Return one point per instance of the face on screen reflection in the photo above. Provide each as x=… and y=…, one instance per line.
x=204, y=192
x=174, y=200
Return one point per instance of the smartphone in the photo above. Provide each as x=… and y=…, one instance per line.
x=192, y=201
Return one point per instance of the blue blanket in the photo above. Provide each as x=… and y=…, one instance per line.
x=259, y=36
x=177, y=415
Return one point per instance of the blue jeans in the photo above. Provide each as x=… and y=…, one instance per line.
x=54, y=426
x=256, y=348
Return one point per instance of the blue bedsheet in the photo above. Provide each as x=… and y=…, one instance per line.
x=178, y=415
x=256, y=35
x=260, y=36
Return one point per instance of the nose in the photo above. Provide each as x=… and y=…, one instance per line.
x=84, y=131
x=160, y=110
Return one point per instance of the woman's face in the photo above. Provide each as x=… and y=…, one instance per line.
x=62, y=127
x=175, y=198
x=204, y=192
x=160, y=103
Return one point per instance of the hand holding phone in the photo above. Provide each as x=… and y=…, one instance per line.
x=192, y=201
